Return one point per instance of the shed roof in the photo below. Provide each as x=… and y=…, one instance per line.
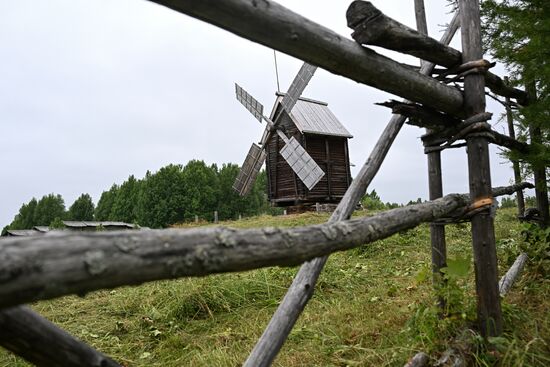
x=314, y=117
x=23, y=232
x=93, y=224
x=43, y=229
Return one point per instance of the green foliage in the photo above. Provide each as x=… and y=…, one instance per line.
x=57, y=223
x=25, y=219
x=48, y=209
x=536, y=243
x=82, y=208
x=124, y=206
x=200, y=184
x=372, y=201
x=162, y=198
x=516, y=33
x=508, y=202
x=105, y=204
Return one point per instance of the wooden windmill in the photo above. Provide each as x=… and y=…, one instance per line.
x=305, y=146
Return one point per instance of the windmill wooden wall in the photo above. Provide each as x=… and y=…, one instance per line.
x=330, y=152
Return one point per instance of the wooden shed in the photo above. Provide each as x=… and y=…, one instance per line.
x=314, y=125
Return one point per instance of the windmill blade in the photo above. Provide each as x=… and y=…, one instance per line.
x=301, y=163
x=297, y=87
x=249, y=171
x=249, y=102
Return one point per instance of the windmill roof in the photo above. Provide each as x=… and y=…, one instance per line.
x=314, y=117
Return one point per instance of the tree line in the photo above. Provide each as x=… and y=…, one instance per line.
x=173, y=194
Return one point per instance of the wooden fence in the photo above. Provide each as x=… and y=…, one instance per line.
x=51, y=266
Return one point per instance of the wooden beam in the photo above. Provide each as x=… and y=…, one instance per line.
x=45, y=267
x=372, y=27
x=303, y=285
x=275, y=26
x=483, y=235
x=32, y=337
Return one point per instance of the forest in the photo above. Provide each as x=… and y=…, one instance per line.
x=173, y=194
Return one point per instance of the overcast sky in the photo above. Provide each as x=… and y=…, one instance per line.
x=92, y=91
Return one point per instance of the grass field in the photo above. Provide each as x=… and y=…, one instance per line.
x=374, y=306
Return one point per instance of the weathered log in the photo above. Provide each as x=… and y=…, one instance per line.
x=35, y=268
x=372, y=27
x=421, y=116
x=508, y=142
x=420, y=359
x=42, y=343
x=508, y=280
x=272, y=25
x=489, y=313
x=58, y=264
x=303, y=285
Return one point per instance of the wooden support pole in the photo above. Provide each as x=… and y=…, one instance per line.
x=483, y=235
x=435, y=181
x=32, y=337
x=303, y=285
x=515, y=163
x=372, y=27
x=270, y=24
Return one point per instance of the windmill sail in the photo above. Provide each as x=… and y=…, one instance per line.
x=297, y=87
x=251, y=166
x=249, y=102
x=301, y=163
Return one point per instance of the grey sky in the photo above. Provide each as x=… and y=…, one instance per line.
x=93, y=91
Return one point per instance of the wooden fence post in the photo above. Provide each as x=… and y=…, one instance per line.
x=196, y=218
x=483, y=234
x=215, y=216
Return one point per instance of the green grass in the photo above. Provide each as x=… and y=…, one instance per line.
x=371, y=308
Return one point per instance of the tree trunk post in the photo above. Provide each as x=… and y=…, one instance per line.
x=215, y=216
x=435, y=181
x=483, y=235
x=515, y=164
x=539, y=170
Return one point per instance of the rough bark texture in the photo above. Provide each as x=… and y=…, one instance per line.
x=515, y=163
x=303, y=285
x=435, y=188
x=372, y=27
x=48, y=266
x=539, y=170
x=508, y=280
x=483, y=235
x=42, y=343
x=272, y=25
